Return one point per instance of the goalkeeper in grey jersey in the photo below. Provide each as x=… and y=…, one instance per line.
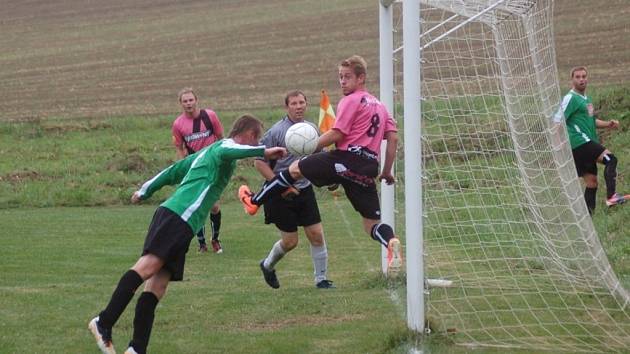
x=202, y=177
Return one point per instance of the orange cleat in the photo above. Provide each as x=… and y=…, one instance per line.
x=245, y=196
x=394, y=257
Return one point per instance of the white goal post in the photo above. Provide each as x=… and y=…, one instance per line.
x=493, y=206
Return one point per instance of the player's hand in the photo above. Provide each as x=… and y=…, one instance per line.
x=275, y=153
x=613, y=124
x=290, y=193
x=135, y=197
x=388, y=177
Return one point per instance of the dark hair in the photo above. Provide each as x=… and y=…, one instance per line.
x=356, y=63
x=244, y=123
x=293, y=93
x=578, y=68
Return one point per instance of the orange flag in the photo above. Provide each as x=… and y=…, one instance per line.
x=326, y=113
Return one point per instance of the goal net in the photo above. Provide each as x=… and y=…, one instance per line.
x=503, y=210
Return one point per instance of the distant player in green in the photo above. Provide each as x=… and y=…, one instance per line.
x=201, y=177
x=576, y=110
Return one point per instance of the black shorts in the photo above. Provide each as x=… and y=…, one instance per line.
x=354, y=171
x=168, y=238
x=287, y=215
x=585, y=157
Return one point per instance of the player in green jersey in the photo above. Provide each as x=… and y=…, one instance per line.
x=576, y=110
x=201, y=178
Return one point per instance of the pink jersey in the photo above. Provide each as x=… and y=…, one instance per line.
x=195, y=132
x=363, y=120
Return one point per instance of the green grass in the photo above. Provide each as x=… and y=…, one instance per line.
x=60, y=265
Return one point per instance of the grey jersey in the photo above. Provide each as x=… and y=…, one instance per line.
x=275, y=137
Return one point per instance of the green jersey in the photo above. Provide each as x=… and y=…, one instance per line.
x=577, y=112
x=202, y=177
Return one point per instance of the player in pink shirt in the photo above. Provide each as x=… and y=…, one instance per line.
x=193, y=130
x=362, y=124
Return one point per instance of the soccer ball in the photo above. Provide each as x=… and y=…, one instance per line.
x=301, y=139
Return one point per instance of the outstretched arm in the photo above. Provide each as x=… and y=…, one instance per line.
x=169, y=176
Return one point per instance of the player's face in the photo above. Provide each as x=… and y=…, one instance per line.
x=296, y=108
x=579, y=80
x=348, y=81
x=189, y=103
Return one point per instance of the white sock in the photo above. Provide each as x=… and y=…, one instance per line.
x=274, y=255
x=320, y=261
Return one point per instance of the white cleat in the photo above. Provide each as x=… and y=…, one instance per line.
x=394, y=257
x=102, y=336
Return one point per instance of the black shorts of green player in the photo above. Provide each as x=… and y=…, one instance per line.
x=169, y=238
x=585, y=157
x=354, y=170
x=289, y=213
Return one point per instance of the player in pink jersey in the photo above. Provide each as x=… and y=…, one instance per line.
x=193, y=130
x=362, y=124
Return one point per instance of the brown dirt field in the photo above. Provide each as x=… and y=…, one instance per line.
x=75, y=59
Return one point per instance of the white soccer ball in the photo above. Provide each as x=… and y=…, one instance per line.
x=301, y=139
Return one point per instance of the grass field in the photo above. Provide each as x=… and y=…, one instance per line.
x=58, y=274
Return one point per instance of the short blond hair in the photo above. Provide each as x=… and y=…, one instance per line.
x=578, y=68
x=184, y=91
x=356, y=63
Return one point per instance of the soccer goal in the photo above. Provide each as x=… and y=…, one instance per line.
x=494, y=211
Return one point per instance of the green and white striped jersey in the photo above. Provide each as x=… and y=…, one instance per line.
x=578, y=113
x=202, y=177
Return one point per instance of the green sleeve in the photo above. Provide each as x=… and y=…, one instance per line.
x=172, y=175
x=233, y=151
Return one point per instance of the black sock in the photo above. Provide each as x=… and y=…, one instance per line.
x=382, y=233
x=215, y=221
x=143, y=321
x=201, y=236
x=277, y=185
x=127, y=285
x=589, y=197
x=610, y=174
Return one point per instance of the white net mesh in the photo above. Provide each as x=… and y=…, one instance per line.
x=504, y=215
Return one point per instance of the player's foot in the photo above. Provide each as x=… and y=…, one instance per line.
x=245, y=196
x=103, y=336
x=394, y=257
x=617, y=199
x=325, y=284
x=216, y=246
x=203, y=248
x=130, y=350
x=270, y=276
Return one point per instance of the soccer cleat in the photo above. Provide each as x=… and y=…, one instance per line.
x=103, y=337
x=130, y=350
x=617, y=199
x=270, y=276
x=394, y=257
x=203, y=248
x=325, y=284
x=245, y=196
x=216, y=246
